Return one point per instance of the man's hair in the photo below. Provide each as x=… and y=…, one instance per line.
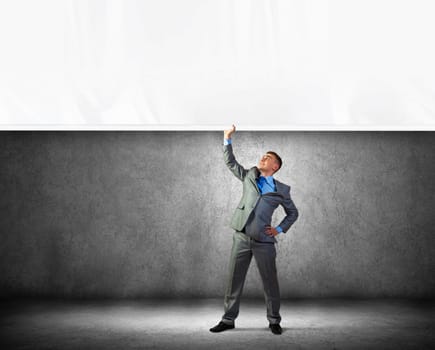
x=277, y=157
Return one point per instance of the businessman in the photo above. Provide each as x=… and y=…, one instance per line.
x=254, y=235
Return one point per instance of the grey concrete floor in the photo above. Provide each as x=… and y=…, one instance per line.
x=184, y=324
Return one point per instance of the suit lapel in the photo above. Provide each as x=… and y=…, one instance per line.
x=253, y=178
x=280, y=189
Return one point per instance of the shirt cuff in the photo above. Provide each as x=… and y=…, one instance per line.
x=279, y=229
x=227, y=141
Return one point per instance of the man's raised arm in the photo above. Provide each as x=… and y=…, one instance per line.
x=238, y=170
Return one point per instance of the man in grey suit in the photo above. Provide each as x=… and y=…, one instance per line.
x=254, y=235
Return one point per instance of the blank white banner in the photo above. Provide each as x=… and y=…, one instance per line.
x=198, y=64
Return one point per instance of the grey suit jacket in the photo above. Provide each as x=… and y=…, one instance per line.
x=247, y=211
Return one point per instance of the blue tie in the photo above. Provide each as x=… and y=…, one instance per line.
x=261, y=182
x=264, y=186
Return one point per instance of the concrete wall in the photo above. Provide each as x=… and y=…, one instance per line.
x=140, y=214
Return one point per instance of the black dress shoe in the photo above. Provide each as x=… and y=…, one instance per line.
x=276, y=328
x=220, y=327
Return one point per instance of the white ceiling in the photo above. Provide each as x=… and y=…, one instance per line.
x=205, y=64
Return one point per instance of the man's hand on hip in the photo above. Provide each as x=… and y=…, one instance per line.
x=271, y=231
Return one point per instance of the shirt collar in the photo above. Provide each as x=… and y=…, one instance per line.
x=269, y=180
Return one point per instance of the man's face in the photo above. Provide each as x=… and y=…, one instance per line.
x=268, y=163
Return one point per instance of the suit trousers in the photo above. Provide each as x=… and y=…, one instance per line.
x=244, y=247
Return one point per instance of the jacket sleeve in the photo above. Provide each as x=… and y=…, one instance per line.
x=291, y=211
x=238, y=170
